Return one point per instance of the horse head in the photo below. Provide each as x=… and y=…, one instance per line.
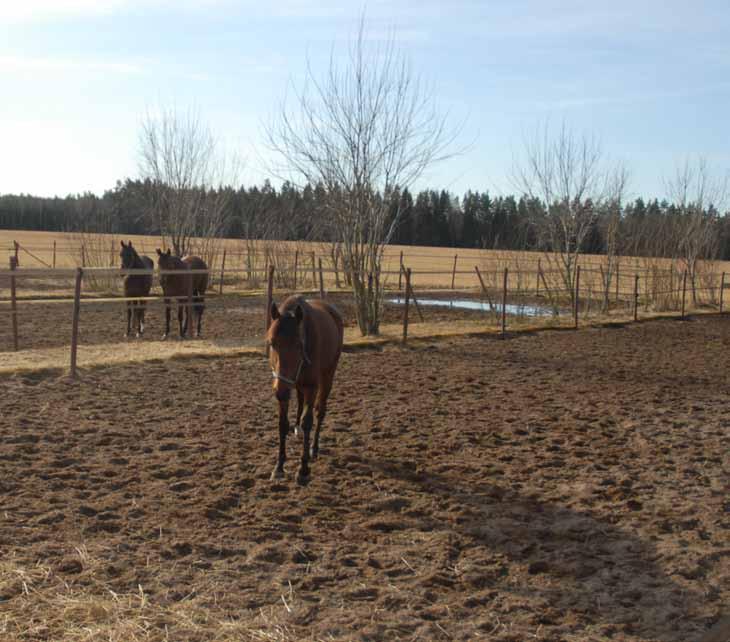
x=288, y=354
x=128, y=255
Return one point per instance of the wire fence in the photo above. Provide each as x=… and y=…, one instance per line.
x=63, y=308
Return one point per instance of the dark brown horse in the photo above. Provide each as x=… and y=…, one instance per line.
x=180, y=287
x=135, y=285
x=305, y=338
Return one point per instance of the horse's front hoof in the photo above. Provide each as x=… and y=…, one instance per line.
x=164, y=337
x=296, y=431
x=303, y=477
x=277, y=473
x=314, y=453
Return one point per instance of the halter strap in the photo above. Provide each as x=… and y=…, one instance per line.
x=293, y=382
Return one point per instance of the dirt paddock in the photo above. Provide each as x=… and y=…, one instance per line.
x=551, y=486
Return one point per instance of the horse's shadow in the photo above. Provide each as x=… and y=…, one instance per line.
x=594, y=568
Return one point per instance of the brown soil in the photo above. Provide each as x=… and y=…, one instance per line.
x=554, y=486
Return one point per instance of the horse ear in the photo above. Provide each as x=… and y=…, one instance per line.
x=274, y=311
x=169, y=252
x=299, y=314
x=130, y=244
x=159, y=252
x=122, y=242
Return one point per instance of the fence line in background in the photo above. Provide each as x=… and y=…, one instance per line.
x=511, y=287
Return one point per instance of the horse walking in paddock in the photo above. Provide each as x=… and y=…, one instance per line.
x=180, y=286
x=305, y=338
x=136, y=285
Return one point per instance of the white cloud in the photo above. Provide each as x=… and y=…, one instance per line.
x=24, y=11
x=18, y=64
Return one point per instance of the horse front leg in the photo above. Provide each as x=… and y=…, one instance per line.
x=167, y=319
x=278, y=472
x=140, y=312
x=183, y=324
x=129, y=318
x=303, y=473
x=300, y=408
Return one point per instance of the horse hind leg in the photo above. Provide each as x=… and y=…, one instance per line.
x=200, y=308
x=129, y=318
x=183, y=315
x=304, y=472
x=322, y=396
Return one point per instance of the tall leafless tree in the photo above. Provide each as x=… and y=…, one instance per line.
x=569, y=173
x=699, y=195
x=362, y=130
x=188, y=173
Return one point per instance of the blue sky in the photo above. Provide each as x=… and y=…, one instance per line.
x=650, y=78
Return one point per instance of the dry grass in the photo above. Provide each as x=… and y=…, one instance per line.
x=523, y=265
x=44, y=604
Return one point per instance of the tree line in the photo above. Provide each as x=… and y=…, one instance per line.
x=430, y=217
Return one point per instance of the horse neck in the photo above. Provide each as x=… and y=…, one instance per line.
x=138, y=263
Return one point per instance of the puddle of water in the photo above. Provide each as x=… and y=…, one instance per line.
x=470, y=304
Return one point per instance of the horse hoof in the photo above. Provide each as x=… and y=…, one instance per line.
x=164, y=337
x=291, y=430
x=303, y=477
x=296, y=431
x=278, y=473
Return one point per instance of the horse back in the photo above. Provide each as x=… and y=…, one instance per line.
x=324, y=330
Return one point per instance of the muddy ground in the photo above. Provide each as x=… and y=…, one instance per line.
x=553, y=486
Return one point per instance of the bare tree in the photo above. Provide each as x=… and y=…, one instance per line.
x=698, y=195
x=569, y=174
x=616, y=188
x=362, y=130
x=187, y=172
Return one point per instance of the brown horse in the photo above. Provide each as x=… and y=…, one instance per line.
x=135, y=285
x=305, y=338
x=180, y=287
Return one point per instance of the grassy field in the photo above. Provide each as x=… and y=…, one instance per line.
x=431, y=266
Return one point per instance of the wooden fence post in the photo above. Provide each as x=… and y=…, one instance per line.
x=453, y=273
x=223, y=270
x=16, y=247
x=314, y=272
x=296, y=267
x=405, y=307
x=636, y=297
x=537, y=278
x=54, y=255
x=485, y=291
x=269, y=301
x=684, y=292
x=321, y=281
x=618, y=278
x=400, y=271
x=83, y=255
x=577, y=296
x=75, y=321
x=504, y=302
x=13, y=302
x=722, y=290
x=413, y=296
